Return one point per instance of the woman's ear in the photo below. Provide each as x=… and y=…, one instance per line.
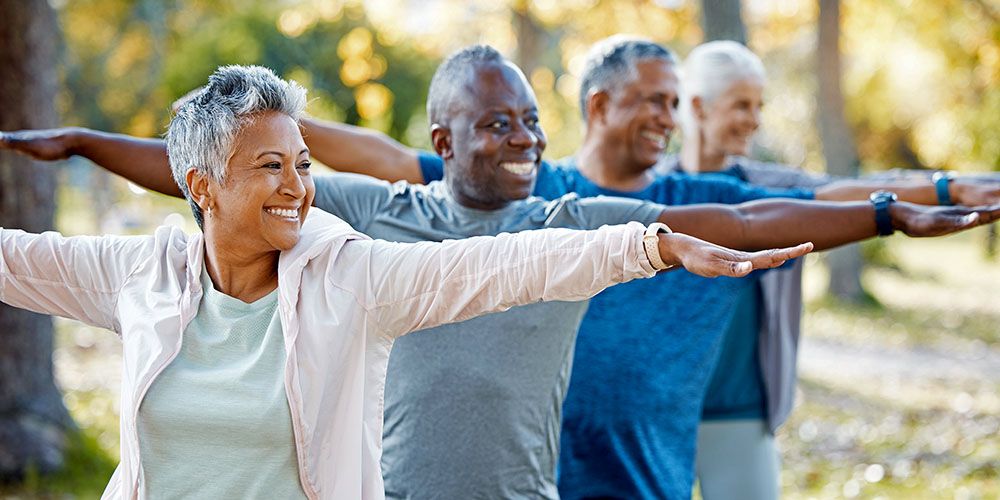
x=441, y=140
x=198, y=186
x=698, y=107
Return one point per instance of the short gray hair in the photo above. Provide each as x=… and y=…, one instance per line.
x=451, y=77
x=612, y=62
x=710, y=69
x=202, y=133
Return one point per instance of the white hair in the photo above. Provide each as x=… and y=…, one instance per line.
x=710, y=70
x=202, y=133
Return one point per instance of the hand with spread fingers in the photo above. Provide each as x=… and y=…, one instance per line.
x=44, y=145
x=710, y=260
x=924, y=221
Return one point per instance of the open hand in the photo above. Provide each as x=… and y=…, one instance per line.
x=972, y=193
x=921, y=221
x=710, y=260
x=45, y=145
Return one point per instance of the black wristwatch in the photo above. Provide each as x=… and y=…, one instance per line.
x=883, y=221
x=941, y=180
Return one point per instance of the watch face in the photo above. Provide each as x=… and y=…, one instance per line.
x=882, y=197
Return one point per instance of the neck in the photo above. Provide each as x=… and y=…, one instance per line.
x=472, y=202
x=603, y=163
x=241, y=275
x=697, y=157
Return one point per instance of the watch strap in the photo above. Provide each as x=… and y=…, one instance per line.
x=941, y=181
x=883, y=220
x=651, y=243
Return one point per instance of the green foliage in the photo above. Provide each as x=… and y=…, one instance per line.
x=122, y=72
x=86, y=474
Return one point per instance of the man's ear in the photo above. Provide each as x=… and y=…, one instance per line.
x=441, y=141
x=597, y=105
x=198, y=186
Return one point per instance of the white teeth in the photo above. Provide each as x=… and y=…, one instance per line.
x=659, y=139
x=518, y=168
x=283, y=212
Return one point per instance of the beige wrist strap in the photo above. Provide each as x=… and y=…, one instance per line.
x=651, y=243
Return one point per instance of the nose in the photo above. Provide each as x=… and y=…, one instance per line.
x=523, y=137
x=291, y=183
x=668, y=118
x=755, y=118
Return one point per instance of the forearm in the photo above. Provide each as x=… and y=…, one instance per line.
x=919, y=191
x=358, y=150
x=142, y=161
x=773, y=223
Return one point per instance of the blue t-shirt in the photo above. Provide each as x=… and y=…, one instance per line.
x=644, y=354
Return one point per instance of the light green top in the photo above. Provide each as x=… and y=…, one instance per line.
x=216, y=422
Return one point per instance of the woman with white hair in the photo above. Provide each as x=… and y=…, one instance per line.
x=752, y=389
x=255, y=353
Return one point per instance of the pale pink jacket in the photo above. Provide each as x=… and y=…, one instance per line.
x=343, y=299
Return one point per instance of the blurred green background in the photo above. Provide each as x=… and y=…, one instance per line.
x=899, y=397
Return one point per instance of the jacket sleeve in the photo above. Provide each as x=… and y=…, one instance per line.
x=411, y=286
x=75, y=277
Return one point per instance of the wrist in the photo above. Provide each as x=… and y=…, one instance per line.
x=886, y=210
x=669, y=245
x=73, y=139
x=660, y=254
x=948, y=191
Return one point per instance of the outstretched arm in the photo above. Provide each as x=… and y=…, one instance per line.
x=142, y=161
x=410, y=286
x=361, y=151
x=777, y=222
x=964, y=191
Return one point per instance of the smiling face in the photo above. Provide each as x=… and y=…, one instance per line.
x=640, y=115
x=730, y=120
x=260, y=205
x=491, y=140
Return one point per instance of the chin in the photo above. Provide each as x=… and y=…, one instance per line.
x=286, y=244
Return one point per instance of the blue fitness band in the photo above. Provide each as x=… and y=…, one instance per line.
x=941, y=181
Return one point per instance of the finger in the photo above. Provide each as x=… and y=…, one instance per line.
x=775, y=257
x=988, y=214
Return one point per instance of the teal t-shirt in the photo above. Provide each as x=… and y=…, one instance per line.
x=216, y=422
x=736, y=388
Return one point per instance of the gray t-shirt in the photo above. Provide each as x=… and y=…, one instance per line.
x=473, y=409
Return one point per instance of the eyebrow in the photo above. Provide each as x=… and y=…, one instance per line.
x=278, y=153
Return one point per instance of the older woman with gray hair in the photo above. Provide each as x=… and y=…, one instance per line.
x=752, y=389
x=255, y=353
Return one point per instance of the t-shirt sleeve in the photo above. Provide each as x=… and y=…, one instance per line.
x=355, y=198
x=431, y=166
x=592, y=213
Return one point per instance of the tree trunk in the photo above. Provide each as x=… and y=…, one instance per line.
x=723, y=20
x=33, y=419
x=531, y=37
x=838, y=144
